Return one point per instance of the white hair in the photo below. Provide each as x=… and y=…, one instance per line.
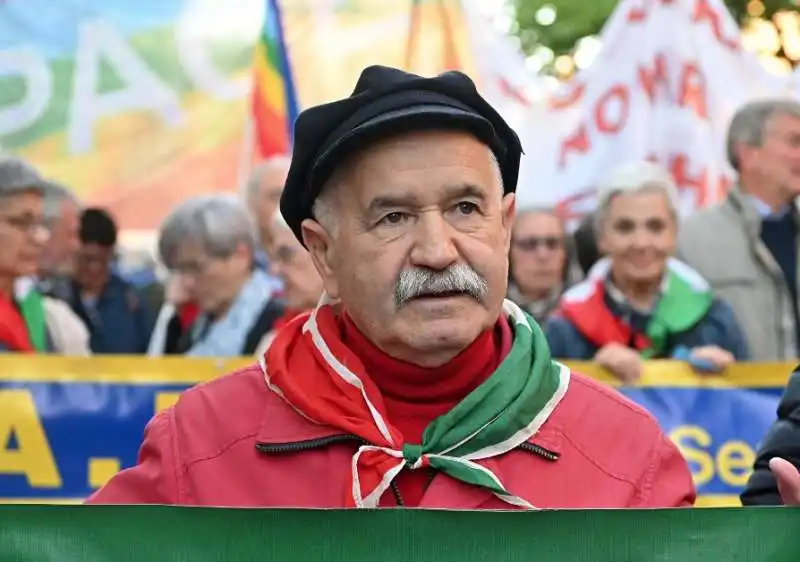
x=279, y=163
x=325, y=214
x=634, y=178
x=219, y=223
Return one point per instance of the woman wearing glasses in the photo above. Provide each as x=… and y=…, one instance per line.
x=29, y=321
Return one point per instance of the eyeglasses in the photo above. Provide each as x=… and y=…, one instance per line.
x=26, y=224
x=532, y=243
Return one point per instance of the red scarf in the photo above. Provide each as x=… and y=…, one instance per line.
x=13, y=330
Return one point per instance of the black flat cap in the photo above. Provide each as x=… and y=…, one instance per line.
x=388, y=101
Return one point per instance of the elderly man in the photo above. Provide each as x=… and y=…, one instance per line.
x=61, y=213
x=414, y=382
x=747, y=246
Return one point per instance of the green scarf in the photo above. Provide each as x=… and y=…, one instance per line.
x=32, y=309
x=679, y=309
x=309, y=367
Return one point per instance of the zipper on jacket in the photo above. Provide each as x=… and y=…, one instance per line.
x=307, y=445
x=299, y=446
x=539, y=451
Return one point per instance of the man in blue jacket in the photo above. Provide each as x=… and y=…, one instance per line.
x=117, y=317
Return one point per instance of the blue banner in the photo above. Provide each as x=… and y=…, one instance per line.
x=67, y=425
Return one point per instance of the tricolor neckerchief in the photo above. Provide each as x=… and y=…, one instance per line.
x=685, y=300
x=310, y=368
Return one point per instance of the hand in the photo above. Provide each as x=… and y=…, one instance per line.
x=715, y=356
x=624, y=362
x=788, y=478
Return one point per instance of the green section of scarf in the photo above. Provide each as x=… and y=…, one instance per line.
x=308, y=365
x=679, y=309
x=32, y=309
x=505, y=411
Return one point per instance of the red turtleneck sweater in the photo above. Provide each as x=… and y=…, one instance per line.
x=414, y=396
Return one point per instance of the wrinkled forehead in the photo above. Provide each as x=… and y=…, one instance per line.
x=421, y=167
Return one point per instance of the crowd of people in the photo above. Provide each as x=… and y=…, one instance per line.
x=633, y=282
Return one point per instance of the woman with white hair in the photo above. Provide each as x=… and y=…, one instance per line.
x=639, y=302
x=208, y=244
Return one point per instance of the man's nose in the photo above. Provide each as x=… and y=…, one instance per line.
x=433, y=247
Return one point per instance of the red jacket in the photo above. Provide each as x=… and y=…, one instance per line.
x=232, y=442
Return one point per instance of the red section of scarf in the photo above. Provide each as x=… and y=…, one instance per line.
x=13, y=330
x=296, y=364
x=414, y=396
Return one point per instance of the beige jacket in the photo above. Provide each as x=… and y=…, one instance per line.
x=723, y=244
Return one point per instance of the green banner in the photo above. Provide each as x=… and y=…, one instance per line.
x=36, y=533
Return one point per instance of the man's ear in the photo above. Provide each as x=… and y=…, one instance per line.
x=318, y=241
x=509, y=212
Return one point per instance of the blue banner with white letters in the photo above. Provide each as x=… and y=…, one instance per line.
x=68, y=424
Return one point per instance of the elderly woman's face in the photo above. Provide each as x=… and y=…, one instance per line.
x=209, y=281
x=639, y=234
x=289, y=260
x=22, y=234
x=419, y=213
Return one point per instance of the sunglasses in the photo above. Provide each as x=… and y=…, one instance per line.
x=532, y=243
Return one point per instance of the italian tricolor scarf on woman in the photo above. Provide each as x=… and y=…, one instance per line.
x=310, y=368
x=23, y=326
x=686, y=298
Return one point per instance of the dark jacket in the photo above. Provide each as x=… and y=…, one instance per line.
x=120, y=322
x=782, y=440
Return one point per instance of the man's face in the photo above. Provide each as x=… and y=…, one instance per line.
x=425, y=203
x=639, y=234
x=778, y=158
x=302, y=286
x=93, y=266
x=268, y=197
x=59, y=252
x=537, y=252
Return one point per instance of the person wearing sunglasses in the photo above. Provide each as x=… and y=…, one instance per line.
x=541, y=268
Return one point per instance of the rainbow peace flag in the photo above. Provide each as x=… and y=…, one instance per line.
x=274, y=99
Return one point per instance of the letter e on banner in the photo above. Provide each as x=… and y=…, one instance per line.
x=31, y=455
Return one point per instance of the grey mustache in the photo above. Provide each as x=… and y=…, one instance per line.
x=420, y=281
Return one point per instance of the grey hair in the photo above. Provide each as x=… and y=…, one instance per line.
x=323, y=209
x=219, y=223
x=274, y=163
x=54, y=195
x=750, y=122
x=634, y=178
x=17, y=176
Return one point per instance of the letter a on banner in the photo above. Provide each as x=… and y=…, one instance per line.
x=24, y=449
